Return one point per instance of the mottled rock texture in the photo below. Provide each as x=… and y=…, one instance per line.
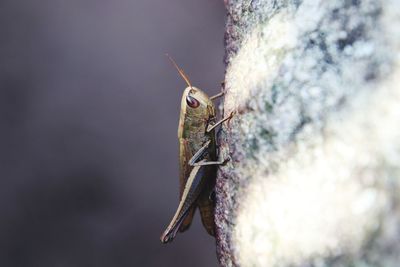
x=314, y=176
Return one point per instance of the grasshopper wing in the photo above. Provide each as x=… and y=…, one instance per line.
x=206, y=207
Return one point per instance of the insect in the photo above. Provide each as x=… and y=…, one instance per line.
x=197, y=159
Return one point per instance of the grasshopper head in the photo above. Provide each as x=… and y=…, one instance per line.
x=197, y=103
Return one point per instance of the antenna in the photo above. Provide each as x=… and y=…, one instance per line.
x=181, y=72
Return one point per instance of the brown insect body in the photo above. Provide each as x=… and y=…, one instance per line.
x=197, y=159
x=192, y=135
x=196, y=182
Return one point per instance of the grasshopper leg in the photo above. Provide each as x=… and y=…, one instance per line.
x=204, y=163
x=217, y=95
x=200, y=153
x=212, y=127
x=220, y=93
x=190, y=194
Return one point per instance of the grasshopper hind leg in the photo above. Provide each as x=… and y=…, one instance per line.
x=170, y=233
x=187, y=204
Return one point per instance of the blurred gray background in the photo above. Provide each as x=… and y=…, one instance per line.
x=89, y=111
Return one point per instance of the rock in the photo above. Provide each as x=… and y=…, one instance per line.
x=314, y=173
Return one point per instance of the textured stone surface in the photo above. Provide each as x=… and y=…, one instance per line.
x=315, y=145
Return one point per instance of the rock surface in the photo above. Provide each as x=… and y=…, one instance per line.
x=315, y=145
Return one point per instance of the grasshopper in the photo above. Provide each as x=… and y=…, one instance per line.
x=197, y=159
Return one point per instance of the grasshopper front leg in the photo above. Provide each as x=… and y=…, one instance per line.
x=212, y=127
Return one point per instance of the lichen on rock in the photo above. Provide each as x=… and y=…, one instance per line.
x=315, y=144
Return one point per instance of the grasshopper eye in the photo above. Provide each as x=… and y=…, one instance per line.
x=192, y=102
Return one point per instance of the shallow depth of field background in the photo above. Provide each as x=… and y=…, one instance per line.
x=89, y=111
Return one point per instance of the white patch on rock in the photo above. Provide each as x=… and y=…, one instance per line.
x=257, y=61
x=329, y=195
